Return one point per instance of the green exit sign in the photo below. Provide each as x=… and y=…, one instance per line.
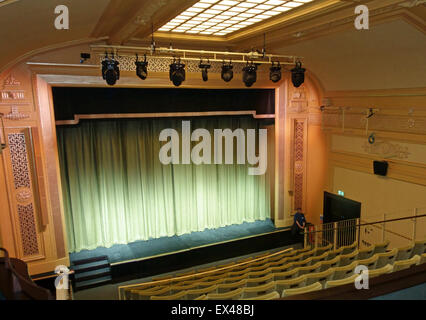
x=341, y=193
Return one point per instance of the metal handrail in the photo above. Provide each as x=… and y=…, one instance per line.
x=376, y=222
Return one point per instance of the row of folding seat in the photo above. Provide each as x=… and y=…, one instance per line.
x=271, y=290
x=292, y=265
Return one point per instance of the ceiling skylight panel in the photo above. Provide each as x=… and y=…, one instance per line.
x=220, y=17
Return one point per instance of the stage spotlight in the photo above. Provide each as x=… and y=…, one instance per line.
x=250, y=74
x=141, y=68
x=275, y=72
x=227, y=72
x=110, y=70
x=204, y=67
x=298, y=75
x=177, y=72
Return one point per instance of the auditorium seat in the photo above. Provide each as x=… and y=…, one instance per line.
x=334, y=253
x=309, y=269
x=366, y=253
x=260, y=267
x=346, y=259
x=370, y=263
x=341, y=282
x=285, y=267
x=303, y=263
x=234, y=279
x=319, y=258
x=278, y=263
x=379, y=271
x=259, y=281
x=226, y=287
x=291, y=274
x=270, y=296
x=349, y=248
x=298, y=282
x=231, y=295
x=194, y=293
x=422, y=258
x=405, y=253
x=330, y=263
x=177, y=296
x=291, y=292
x=146, y=294
x=419, y=247
x=177, y=288
x=234, y=274
x=381, y=247
x=405, y=264
x=387, y=258
x=251, y=292
x=203, y=297
x=258, y=274
x=322, y=250
x=345, y=271
x=210, y=283
x=321, y=277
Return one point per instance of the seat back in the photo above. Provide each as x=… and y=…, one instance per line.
x=341, y=282
x=334, y=253
x=346, y=259
x=405, y=253
x=350, y=248
x=286, y=275
x=298, y=282
x=291, y=292
x=344, y=272
x=195, y=293
x=258, y=274
x=251, y=292
x=333, y=263
x=146, y=294
x=419, y=248
x=322, y=257
x=422, y=258
x=381, y=247
x=260, y=281
x=226, y=287
x=370, y=263
x=309, y=269
x=379, y=271
x=231, y=295
x=366, y=253
x=320, y=251
x=269, y=296
x=321, y=277
x=405, y=264
x=387, y=258
x=177, y=296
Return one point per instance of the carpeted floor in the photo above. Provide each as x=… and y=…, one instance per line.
x=141, y=249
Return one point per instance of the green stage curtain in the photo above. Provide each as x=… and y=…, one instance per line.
x=116, y=190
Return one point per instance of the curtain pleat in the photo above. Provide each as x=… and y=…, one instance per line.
x=116, y=190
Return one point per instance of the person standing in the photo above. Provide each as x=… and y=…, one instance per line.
x=298, y=225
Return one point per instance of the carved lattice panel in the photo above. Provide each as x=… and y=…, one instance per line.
x=20, y=163
x=299, y=163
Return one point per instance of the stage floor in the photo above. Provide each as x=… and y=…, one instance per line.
x=153, y=247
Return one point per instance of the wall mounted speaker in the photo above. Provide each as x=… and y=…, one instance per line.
x=380, y=168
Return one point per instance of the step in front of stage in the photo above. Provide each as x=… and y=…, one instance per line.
x=193, y=257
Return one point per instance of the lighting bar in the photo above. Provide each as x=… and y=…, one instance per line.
x=195, y=55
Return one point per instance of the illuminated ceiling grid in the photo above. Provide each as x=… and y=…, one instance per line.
x=216, y=17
